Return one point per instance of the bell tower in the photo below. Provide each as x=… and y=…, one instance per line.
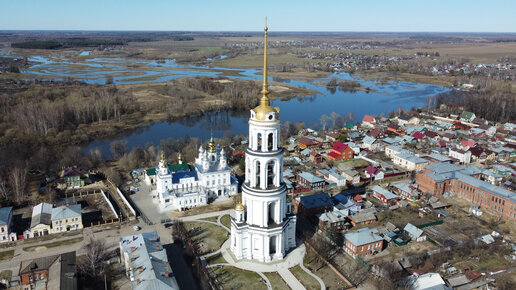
x=268, y=228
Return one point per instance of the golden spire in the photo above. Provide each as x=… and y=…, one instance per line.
x=265, y=89
x=212, y=145
x=264, y=109
x=163, y=158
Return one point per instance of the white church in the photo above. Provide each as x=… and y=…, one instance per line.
x=263, y=225
x=181, y=186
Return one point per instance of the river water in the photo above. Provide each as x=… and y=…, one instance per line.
x=308, y=109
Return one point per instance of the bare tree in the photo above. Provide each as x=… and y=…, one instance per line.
x=334, y=116
x=4, y=190
x=324, y=121
x=119, y=148
x=93, y=263
x=18, y=180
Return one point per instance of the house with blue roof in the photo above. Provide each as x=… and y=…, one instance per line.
x=313, y=204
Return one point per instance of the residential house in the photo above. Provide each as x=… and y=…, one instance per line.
x=391, y=151
x=51, y=272
x=377, y=134
x=315, y=157
x=492, y=177
x=385, y=196
x=428, y=281
x=310, y=181
x=354, y=147
x=371, y=144
x=6, y=220
x=415, y=233
x=362, y=218
x=409, y=161
x=480, y=154
x=333, y=176
x=41, y=221
x=66, y=218
x=363, y=242
x=75, y=177
x=345, y=202
x=369, y=121
x=352, y=176
x=396, y=129
x=340, y=151
x=408, y=120
x=313, y=204
x=146, y=262
x=307, y=143
x=332, y=220
x=373, y=173
x=406, y=190
x=503, y=170
x=467, y=116
x=461, y=155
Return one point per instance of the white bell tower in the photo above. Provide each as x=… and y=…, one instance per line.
x=267, y=230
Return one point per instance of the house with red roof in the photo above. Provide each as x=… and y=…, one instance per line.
x=340, y=151
x=468, y=144
x=368, y=121
x=377, y=134
x=372, y=172
x=418, y=135
x=396, y=129
x=431, y=135
x=307, y=143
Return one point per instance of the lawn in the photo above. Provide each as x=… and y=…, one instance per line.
x=226, y=220
x=7, y=255
x=234, y=278
x=308, y=281
x=355, y=162
x=211, y=219
x=216, y=259
x=210, y=237
x=54, y=244
x=323, y=271
x=277, y=282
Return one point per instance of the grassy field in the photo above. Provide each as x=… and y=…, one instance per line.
x=53, y=244
x=276, y=281
x=226, y=220
x=210, y=237
x=234, y=278
x=308, y=281
x=216, y=259
x=6, y=255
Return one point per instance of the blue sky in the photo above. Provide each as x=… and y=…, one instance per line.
x=243, y=15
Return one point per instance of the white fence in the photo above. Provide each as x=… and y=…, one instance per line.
x=109, y=202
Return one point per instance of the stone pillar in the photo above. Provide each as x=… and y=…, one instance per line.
x=266, y=249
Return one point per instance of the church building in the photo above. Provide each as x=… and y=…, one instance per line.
x=263, y=225
x=181, y=186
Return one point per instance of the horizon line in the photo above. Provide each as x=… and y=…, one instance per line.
x=253, y=31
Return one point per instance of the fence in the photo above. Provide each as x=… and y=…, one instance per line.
x=109, y=203
x=125, y=201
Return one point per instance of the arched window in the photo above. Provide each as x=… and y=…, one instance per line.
x=270, y=174
x=258, y=175
x=259, y=142
x=270, y=142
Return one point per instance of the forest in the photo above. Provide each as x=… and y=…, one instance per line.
x=495, y=106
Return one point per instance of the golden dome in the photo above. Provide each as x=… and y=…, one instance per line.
x=239, y=206
x=212, y=146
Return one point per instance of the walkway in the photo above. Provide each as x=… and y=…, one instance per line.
x=282, y=267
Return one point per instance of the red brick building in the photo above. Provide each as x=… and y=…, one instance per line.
x=363, y=242
x=464, y=181
x=340, y=151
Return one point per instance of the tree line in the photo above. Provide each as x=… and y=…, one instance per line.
x=493, y=106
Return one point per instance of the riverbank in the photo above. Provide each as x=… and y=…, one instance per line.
x=444, y=81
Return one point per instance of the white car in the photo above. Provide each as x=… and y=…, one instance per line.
x=136, y=228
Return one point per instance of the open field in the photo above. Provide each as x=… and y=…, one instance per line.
x=6, y=255
x=308, y=281
x=276, y=281
x=208, y=236
x=234, y=278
